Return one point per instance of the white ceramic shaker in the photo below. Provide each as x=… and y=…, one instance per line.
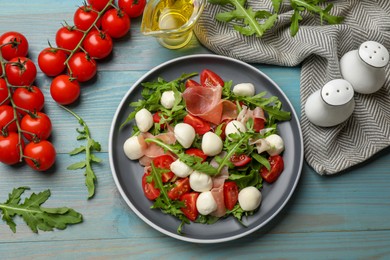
x=364, y=68
x=332, y=104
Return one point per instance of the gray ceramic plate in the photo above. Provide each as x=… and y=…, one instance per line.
x=127, y=174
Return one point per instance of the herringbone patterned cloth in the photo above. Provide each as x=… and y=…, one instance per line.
x=318, y=49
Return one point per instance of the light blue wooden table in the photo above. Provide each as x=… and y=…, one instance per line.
x=341, y=217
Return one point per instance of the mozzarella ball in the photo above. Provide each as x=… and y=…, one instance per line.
x=206, y=203
x=144, y=120
x=185, y=134
x=244, y=89
x=168, y=99
x=133, y=148
x=180, y=169
x=211, y=144
x=249, y=198
x=200, y=181
x=234, y=127
x=276, y=144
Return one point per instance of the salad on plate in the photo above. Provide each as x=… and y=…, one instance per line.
x=205, y=146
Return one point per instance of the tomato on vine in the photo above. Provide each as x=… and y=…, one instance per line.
x=68, y=37
x=4, y=99
x=82, y=67
x=116, y=23
x=28, y=98
x=64, y=90
x=40, y=156
x=98, y=44
x=51, y=61
x=20, y=71
x=36, y=126
x=98, y=5
x=13, y=44
x=7, y=119
x=84, y=17
x=133, y=8
x=10, y=148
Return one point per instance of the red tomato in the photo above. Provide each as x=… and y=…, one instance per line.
x=150, y=191
x=116, y=23
x=82, y=67
x=17, y=47
x=98, y=44
x=40, y=156
x=133, y=8
x=277, y=166
x=209, y=78
x=64, y=90
x=51, y=61
x=201, y=126
x=85, y=17
x=36, y=126
x=10, y=148
x=240, y=160
x=4, y=100
x=164, y=162
x=98, y=5
x=20, y=71
x=31, y=99
x=7, y=115
x=258, y=124
x=68, y=37
x=230, y=194
x=196, y=152
x=180, y=187
x=191, y=83
x=190, y=210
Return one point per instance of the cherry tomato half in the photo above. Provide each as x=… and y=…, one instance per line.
x=20, y=71
x=82, y=67
x=277, y=166
x=150, y=191
x=209, y=78
x=7, y=118
x=164, y=162
x=40, y=156
x=196, y=152
x=190, y=210
x=98, y=44
x=17, y=47
x=116, y=23
x=4, y=100
x=180, y=187
x=133, y=8
x=240, y=159
x=68, y=37
x=30, y=98
x=201, y=126
x=191, y=83
x=10, y=148
x=258, y=124
x=64, y=90
x=36, y=126
x=230, y=194
x=51, y=61
x=85, y=17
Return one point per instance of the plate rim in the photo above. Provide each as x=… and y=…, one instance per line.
x=157, y=227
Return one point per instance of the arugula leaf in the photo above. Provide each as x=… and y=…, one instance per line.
x=258, y=22
x=36, y=216
x=90, y=147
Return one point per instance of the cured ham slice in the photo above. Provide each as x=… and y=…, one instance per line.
x=152, y=150
x=247, y=113
x=206, y=103
x=217, y=190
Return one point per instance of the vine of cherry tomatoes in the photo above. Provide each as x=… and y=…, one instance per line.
x=24, y=128
x=79, y=46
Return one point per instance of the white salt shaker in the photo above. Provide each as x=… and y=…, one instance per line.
x=364, y=68
x=332, y=104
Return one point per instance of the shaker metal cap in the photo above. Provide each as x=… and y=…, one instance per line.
x=337, y=92
x=374, y=54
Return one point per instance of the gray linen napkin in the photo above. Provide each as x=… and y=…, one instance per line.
x=318, y=49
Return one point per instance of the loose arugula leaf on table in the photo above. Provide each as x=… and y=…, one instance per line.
x=36, y=216
x=90, y=147
x=260, y=21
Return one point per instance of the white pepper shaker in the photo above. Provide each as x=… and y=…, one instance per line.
x=365, y=68
x=332, y=104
